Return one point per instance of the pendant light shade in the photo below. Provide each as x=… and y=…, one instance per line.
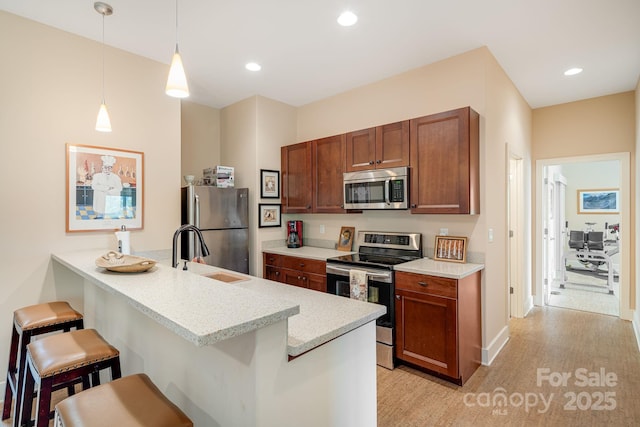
x=177, y=86
x=103, y=123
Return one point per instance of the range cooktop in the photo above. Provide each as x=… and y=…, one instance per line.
x=382, y=250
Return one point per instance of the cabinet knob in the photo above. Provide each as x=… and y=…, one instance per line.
x=304, y=279
x=398, y=297
x=277, y=273
x=370, y=162
x=302, y=264
x=378, y=161
x=424, y=284
x=413, y=205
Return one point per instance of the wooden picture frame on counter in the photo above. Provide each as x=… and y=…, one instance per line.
x=104, y=188
x=269, y=215
x=345, y=240
x=451, y=249
x=269, y=184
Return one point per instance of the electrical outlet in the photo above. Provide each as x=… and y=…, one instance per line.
x=444, y=231
x=490, y=235
x=322, y=229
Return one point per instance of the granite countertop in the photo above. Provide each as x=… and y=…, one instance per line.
x=309, y=252
x=205, y=311
x=452, y=270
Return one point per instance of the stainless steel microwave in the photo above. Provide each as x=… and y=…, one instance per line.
x=377, y=189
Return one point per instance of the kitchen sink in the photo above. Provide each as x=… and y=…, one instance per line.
x=225, y=277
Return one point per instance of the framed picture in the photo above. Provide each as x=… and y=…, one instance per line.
x=450, y=248
x=269, y=215
x=345, y=239
x=269, y=184
x=105, y=188
x=605, y=201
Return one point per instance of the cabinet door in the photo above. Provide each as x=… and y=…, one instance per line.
x=392, y=145
x=317, y=282
x=328, y=157
x=361, y=150
x=272, y=273
x=445, y=163
x=292, y=277
x=296, y=178
x=426, y=331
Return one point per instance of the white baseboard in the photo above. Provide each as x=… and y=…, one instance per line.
x=496, y=345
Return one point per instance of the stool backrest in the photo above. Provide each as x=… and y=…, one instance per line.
x=576, y=239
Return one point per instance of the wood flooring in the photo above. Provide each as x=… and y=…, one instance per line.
x=560, y=368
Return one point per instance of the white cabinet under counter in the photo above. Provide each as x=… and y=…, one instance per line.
x=250, y=353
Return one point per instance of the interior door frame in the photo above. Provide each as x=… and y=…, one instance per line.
x=515, y=236
x=625, y=208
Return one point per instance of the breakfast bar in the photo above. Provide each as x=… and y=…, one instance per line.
x=251, y=352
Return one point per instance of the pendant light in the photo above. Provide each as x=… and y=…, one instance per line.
x=103, y=123
x=177, y=86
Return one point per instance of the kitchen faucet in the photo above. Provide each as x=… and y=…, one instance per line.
x=196, y=230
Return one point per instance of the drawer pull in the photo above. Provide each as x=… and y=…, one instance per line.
x=398, y=297
x=424, y=284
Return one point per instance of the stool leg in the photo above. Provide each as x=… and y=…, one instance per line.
x=115, y=369
x=22, y=366
x=11, y=379
x=26, y=401
x=44, y=402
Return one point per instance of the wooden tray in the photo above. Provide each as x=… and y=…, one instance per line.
x=115, y=261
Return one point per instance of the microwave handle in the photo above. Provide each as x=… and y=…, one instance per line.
x=387, y=195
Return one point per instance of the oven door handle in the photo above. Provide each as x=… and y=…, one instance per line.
x=344, y=270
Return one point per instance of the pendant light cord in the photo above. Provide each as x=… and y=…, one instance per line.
x=176, y=25
x=103, y=58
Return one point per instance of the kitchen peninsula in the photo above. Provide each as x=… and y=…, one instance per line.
x=251, y=353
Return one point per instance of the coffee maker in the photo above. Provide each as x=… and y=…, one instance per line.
x=294, y=234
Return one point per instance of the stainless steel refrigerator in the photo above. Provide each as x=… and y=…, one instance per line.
x=222, y=214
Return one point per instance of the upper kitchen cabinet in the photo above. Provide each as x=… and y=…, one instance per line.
x=445, y=175
x=328, y=158
x=296, y=178
x=384, y=146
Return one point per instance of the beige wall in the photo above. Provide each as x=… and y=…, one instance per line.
x=590, y=127
x=200, y=147
x=51, y=90
x=636, y=259
x=252, y=132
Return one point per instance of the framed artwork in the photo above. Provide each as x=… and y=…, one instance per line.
x=269, y=184
x=268, y=215
x=105, y=188
x=345, y=239
x=450, y=248
x=605, y=201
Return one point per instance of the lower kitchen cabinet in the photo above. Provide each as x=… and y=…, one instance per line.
x=302, y=272
x=438, y=324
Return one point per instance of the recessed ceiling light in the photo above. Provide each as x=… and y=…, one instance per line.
x=573, y=71
x=347, y=18
x=253, y=66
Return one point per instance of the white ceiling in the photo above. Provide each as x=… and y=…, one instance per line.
x=306, y=56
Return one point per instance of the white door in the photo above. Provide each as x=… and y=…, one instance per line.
x=548, y=229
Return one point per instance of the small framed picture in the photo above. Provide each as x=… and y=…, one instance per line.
x=450, y=248
x=269, y=184
x=269, y=215
x=605, y=201
x=345, y=239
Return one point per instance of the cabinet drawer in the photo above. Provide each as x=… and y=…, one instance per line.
x=304, y=264
x=272, y=259
x=432, y=285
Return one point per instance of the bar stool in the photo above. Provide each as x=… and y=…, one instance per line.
x=132, y=401
x=27, y=323
x=58, y=359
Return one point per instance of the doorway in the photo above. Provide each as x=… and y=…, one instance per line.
x=573, y=270
x=515, y=250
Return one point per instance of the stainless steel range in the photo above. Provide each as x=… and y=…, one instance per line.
x=378, y=253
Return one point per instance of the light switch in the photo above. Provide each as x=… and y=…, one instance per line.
x=490, y=235
x=322, y=229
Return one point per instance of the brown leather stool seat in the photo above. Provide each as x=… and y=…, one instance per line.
x=59, y=359
x=132, y=401
x=27, y=323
